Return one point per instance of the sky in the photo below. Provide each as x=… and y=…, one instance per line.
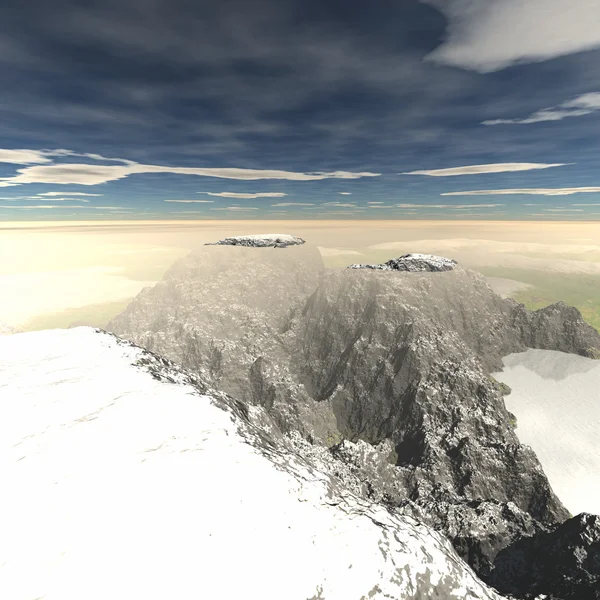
x=299, y=109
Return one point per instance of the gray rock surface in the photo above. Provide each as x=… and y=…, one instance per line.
x=413, y=263
x=266, y=240
x=385, y=371
x=563, y=564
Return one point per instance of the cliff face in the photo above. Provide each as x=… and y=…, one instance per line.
x=388, y=372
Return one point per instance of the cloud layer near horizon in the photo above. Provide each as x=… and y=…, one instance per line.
x=94, y=174
x=527, y=191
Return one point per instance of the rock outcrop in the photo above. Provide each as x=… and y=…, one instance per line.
x=388, y=372
x=6, y=329
x=414, y=263
x=266, y=240
x=131, y=475
x=563, y=564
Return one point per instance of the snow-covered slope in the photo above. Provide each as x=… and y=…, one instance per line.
x=555, y=399
x=125, y=478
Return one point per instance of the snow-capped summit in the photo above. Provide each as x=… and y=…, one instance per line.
x=414, y=263
x=264, y=240
x=126, y=477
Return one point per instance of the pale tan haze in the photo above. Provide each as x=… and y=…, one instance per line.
x=58, y=274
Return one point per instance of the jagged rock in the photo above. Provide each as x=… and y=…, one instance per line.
x=131, y=474
x=267, y=240
x=6, y=329
x=556, y=327
x=373, y=366
x=413, y=263
x=563, y=564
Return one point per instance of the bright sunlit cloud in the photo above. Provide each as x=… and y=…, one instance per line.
x=94, y=174
x=491, y=35
x=482, y=169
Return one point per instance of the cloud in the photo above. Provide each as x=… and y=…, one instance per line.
x=578, y=107
x=340, y=204
x=44, y=206
x=238, y=195
x=528, y=191
x=449, y=205
x=93, y=174
x=563, y=210
x=491, y=35
x=345, y=193
x=191, y=201
x=379, y=202
x=482, y=169
x=52, y=194
x=236, y=208
x=293, y=204
x=24, y=157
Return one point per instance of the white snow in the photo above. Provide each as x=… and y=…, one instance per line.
x=118, y=486
x=556, y=399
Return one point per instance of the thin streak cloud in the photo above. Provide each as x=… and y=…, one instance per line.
x=527, y=191
x=482, y=169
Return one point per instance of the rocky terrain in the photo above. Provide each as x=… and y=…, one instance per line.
x=383, y=372
x=130, y=478
x=6, y=329
x=269, y=240
x=413, y=263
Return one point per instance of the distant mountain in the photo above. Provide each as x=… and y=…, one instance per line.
x=386, y=373
x=130, y=478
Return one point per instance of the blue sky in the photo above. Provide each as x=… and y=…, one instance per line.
x=299, y=109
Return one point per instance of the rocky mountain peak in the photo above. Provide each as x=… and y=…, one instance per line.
x=389, y=377
x=265, y=240
x=412, y=263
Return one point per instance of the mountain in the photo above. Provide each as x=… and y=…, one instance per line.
x=128, y=477
x=384, y=373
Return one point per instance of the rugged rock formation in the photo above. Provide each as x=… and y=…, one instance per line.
x=388, y=373
x=6, y=329
x=136, y=480
x=413, y=263
x=266, y=240
x=563, y=564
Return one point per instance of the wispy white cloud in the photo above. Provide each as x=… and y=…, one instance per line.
x=578, y=107
x=345, y=193
x=460, y=206
x=340, y=204
x=43, y=206
x=25, y=157
x=235, y=208
x=191, y=201
x=240, y=195
x=564, y=210
x=488, y=36
x=376, y=202
x=527, y=191
x=94, y=174
x=293, y=204
x=53, y=194
x=482, y=169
